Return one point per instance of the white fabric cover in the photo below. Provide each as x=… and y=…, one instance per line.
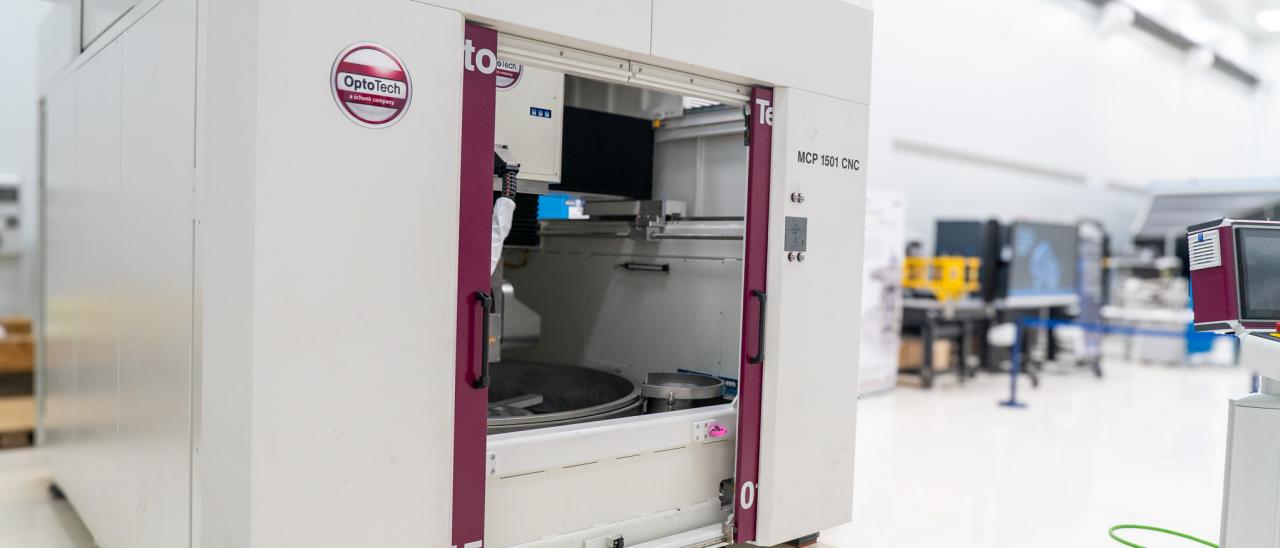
x=503, y=210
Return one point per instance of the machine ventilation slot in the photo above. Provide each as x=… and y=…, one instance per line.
x=524, y=223
x=1204, y=250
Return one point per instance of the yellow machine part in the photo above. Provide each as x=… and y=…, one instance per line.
x=948, y=278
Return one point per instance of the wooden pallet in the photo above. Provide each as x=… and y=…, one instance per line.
x=17, y=421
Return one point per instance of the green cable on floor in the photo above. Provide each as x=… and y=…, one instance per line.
x=1113, y=530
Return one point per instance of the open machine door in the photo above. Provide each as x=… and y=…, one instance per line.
x=799, y=378
x=471, y=391
x=754, y=306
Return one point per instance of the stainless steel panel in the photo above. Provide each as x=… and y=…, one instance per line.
x=621, y=99
x=154, y=293
x=59, y=399
x=521, y=326
x=634, y=208
x=93, y=299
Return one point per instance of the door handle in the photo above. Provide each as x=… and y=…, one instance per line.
x=486, y=306
x=759, y=357
x=645, y=267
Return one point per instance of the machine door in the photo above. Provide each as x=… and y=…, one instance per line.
x=476, y=201
x=799, y=379
x=755, y=301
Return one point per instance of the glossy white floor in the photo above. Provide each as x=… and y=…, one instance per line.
x=948, y=468
x=29, y=518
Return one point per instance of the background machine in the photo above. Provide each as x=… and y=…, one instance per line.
x=323, y=336
x=1235, y=287
x=1004, y=273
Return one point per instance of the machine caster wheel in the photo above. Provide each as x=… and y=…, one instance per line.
x=807, y=540
x=56, y=493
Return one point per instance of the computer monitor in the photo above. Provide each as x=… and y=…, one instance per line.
x=1235, y=274
x=981, y=239
x=1042, y=265
x=960, y=239
x=1260, y=275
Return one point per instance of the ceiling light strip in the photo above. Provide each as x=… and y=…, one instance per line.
x=1181, y=42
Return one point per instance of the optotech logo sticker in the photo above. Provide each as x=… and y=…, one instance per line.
x=371, y=85
x=509, y=74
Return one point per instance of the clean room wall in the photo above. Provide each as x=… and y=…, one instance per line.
x=1268, y=55
x=57, y=38
x=996, y=107
x=19, y=24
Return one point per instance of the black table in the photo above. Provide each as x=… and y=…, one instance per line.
x=964, y=320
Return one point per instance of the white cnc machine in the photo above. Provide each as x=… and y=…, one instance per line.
x=299, y=293
x=1235, y=283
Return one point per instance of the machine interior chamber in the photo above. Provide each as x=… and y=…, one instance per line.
x=641, y=274
x=528, y=395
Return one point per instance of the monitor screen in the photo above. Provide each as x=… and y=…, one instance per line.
x=960, y=238
x=1044, y=260
x=1259, y=250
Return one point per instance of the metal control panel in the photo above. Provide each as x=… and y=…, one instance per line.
x=796, y=237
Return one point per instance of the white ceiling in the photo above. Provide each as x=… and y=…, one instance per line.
x=1227, y=27
x=1230, y=14
x=1240, y=13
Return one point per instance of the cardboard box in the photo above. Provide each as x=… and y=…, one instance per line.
x=17, y=421
x=911, y=353
x=16, y=325
x=17, y=354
